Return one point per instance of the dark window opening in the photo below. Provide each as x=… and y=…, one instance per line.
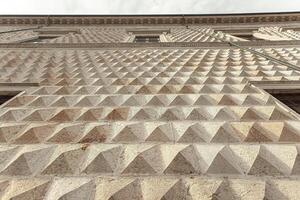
x=249, y=37
x=56, y=31
x=236, y=30
x=6, y=97
x=10, y=90
x=246, y=34
x=40, y=39
x=146, y=39
x=289, y=97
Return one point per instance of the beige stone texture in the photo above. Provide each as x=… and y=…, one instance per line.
x=137, y=122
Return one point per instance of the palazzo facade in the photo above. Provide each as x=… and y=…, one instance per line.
x=171, y=107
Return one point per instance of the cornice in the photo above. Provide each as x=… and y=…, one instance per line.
x=149, y=19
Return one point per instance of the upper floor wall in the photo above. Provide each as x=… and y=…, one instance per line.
x=102, y=34
x=129, y=29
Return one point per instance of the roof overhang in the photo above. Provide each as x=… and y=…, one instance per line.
x=250, y=18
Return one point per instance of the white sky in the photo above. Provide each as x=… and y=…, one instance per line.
x=145, y=6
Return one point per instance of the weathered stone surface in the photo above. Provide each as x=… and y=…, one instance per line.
x=147, y=123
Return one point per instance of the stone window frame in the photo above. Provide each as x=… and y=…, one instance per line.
x=162, y=33
x=147, y=38
x=57, y=31
x=279, y=87
x=39, y=37
x=50, y=32
x=238, y=31
x=10, y=91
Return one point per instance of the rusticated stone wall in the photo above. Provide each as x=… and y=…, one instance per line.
x=147, y=122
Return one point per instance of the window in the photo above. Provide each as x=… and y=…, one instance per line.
x=5, y=98
x=146, y=39
x=148, y=35
x=297, y=29
x=287, y=93
x=245, y=36
x=10, y=90
x=290, y=98
x=57, y=31
x=40, y=39
x=242, y=33
x=7, y=95
x=49, y=33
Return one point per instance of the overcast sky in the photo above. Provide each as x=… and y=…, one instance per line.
x=145, y=6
